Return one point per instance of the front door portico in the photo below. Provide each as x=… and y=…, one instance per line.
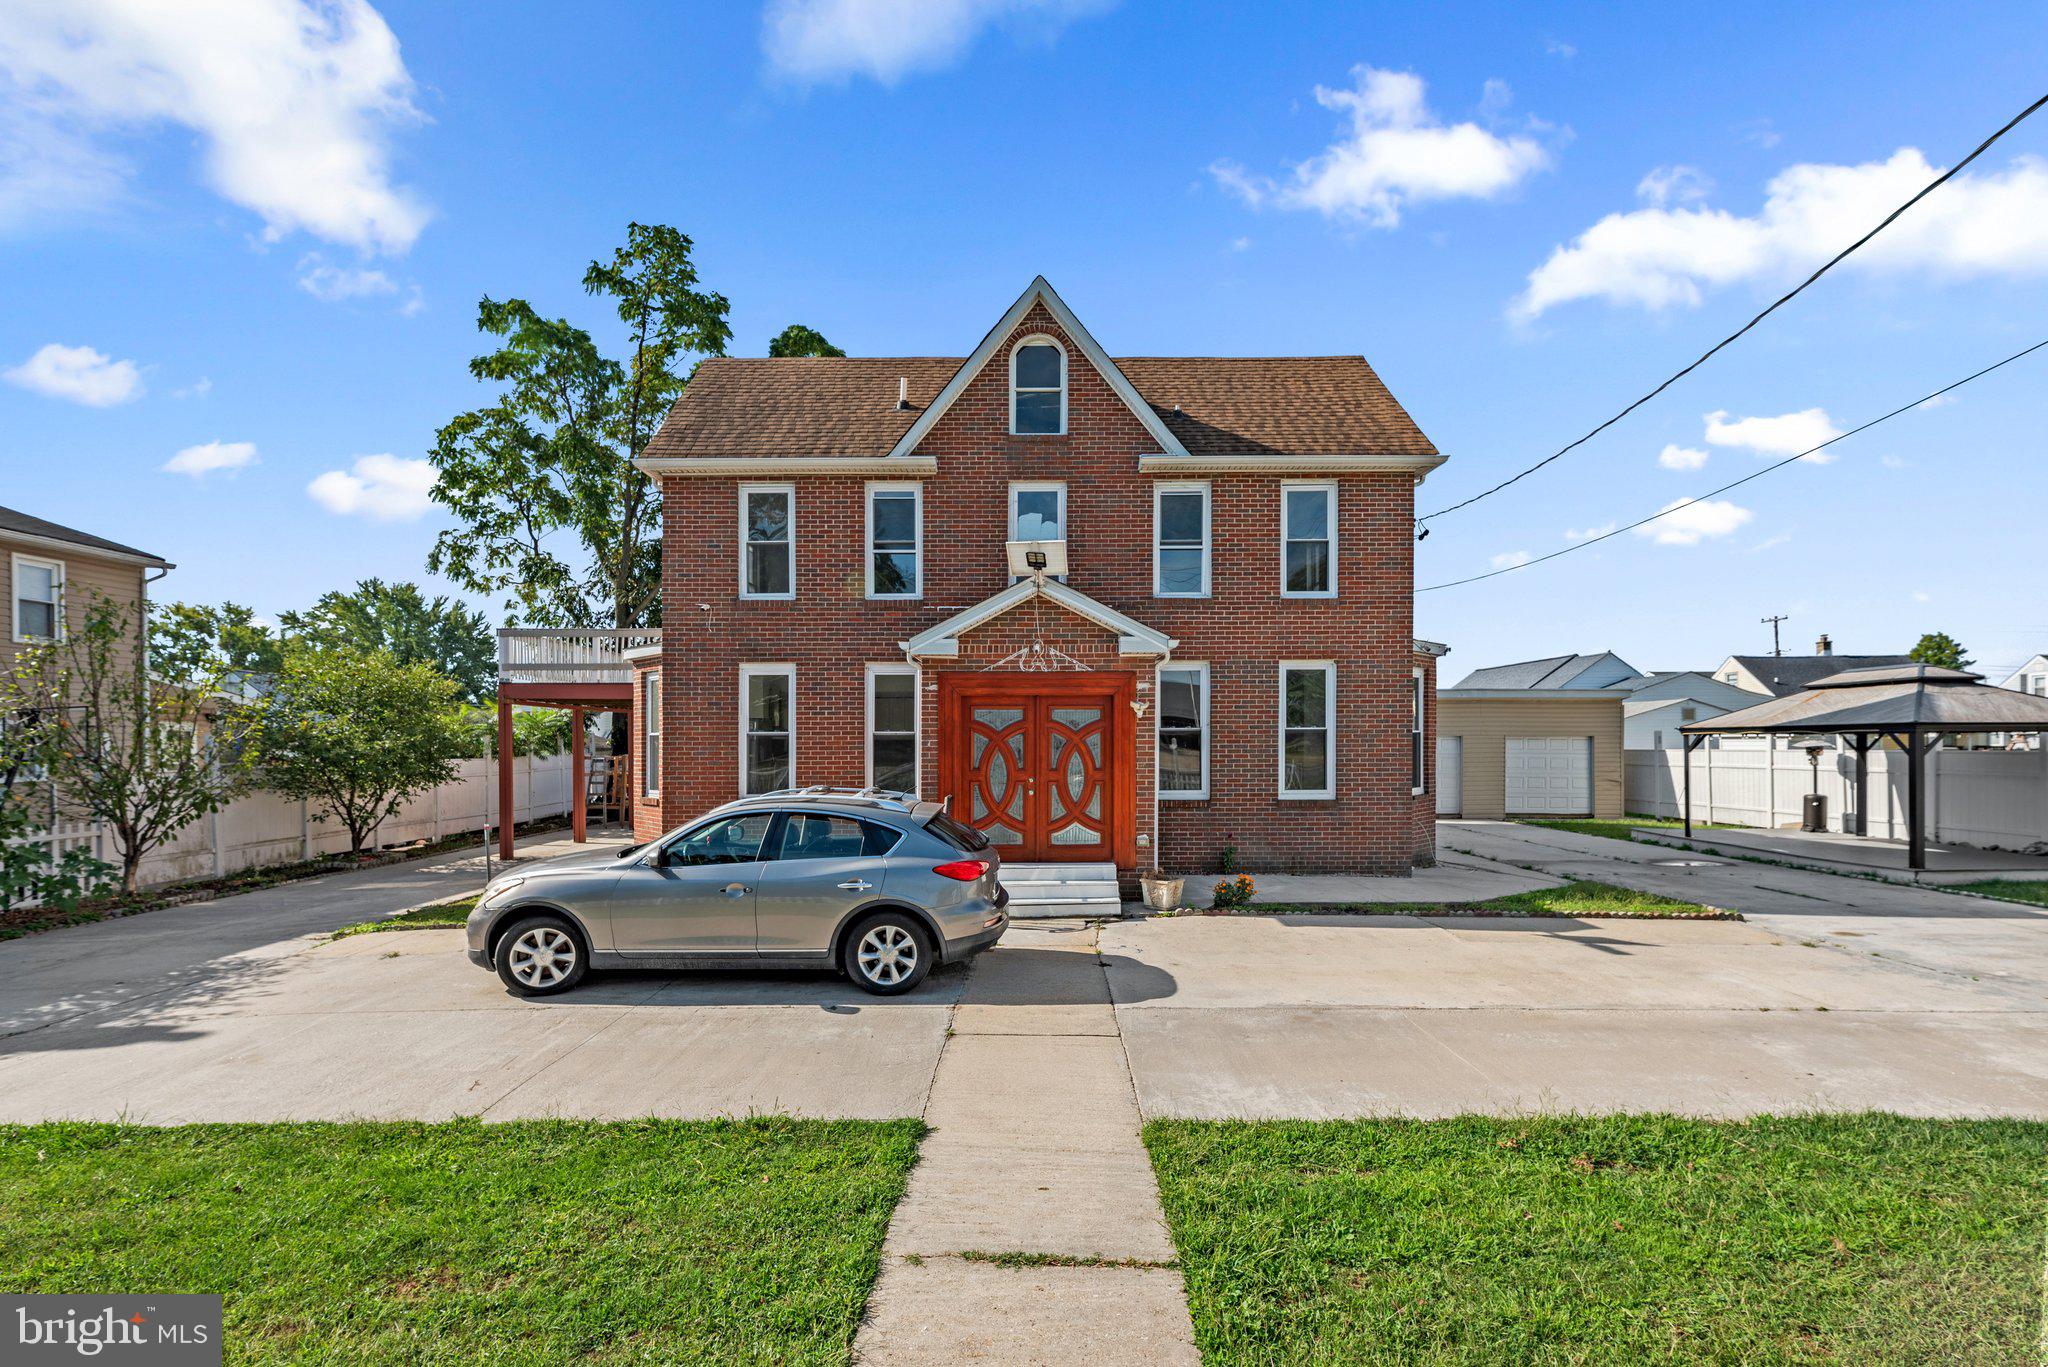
x=1043, y=764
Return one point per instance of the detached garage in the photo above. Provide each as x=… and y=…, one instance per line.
x=1528, y=752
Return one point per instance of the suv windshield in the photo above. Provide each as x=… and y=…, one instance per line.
x=957, y=834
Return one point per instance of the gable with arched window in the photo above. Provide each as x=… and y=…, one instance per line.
x=1038, y=387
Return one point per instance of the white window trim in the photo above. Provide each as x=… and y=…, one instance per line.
x=746, y=492
x=56, y=568
x=650, y=734
x=1038, y=339
x=916, y=676
x=1329, y=492
x=1159, y=493
x=916, y=492
x=1159, y=685
x=1329, y=669
x=1418, y=732
x=747, y=674
x=1037, y=486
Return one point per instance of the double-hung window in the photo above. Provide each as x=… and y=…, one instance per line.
x=1308, y=710
x=1308, y=540
x=895, y=540
x=38, y=599
x=892, y=727
x=768, y=541
x=1180, y=540
x=1417, y=714
x=767, y=728
x=1038, y=388
x=650, y=735
x=1184, y=731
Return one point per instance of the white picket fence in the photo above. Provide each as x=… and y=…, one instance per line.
x=1992, y=799
x=264, y=828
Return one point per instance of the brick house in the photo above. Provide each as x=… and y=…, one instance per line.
x=1228, y=658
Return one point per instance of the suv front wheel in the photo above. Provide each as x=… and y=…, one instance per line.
x=539, y=956
x=887, y=954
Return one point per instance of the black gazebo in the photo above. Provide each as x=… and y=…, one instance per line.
x=1911, y=705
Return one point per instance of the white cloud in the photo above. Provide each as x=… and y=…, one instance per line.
x=1785, y=435
x=1674, y=185
x=1556, y=48
x=293, y=103
x=1590, y=533
x=51, y=173
x=1979, y=224
x=1922, y=596
x=331, y=284
x=1240, y=244
x=1892, y=462
x=1675, y=457
x=198, y=389
x=381, y=487
x=201, y=461
x=886, y=40
x=1770, y=543
x=1686, y=522
x=1393, y=153
x=1508, y=560
x=1936, y=401
x=79, y=374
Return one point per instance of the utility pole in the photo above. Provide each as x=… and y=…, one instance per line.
x=1772, y=623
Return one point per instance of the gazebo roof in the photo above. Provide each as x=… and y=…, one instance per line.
x=1888, y=698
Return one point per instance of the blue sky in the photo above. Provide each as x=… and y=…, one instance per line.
x=246, y=241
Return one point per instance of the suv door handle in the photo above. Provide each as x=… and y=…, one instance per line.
x=857, y=885
x=735, y=889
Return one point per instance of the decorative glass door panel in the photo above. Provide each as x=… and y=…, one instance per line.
x=999, y=784
x=1041, y=765
x=1075, y=809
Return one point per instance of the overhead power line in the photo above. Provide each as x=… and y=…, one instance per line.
x=1776, y=304
x=1733, y=484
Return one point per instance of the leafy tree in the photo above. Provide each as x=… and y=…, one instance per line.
x=536, y=731
x=405, y=624
x=355, y=732
x=30, y=875
x=555, y=451
x=1940, y=648
x=120, y=743
x=798, y=340
x=190, y=639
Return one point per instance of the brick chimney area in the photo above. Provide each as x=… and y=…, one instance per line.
x=1823, y=646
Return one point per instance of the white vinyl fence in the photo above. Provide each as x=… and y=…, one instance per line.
x=265, y=828
x=1992, y=799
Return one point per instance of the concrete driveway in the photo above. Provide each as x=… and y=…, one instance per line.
x=1837, y=993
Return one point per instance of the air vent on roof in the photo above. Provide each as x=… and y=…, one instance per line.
x=902, y=392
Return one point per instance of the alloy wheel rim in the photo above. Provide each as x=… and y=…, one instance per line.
x=887, y=955
x=543, y=956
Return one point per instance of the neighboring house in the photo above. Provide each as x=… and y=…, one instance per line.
x=1219, y=652
x=1657, y=704
x=1783, y=675
x=50, y=573
x=2031, y=677
x=1538, y=738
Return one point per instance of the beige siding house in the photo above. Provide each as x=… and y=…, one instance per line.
x=49, y=574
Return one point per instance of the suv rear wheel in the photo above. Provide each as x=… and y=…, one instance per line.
x=887, y=954
x=539, y=956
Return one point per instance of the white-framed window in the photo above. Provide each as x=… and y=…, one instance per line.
x=650, y=734
x=1308, y=732
x=767, y=728
x=768, y=541
x=2040, y=686
x=1180, y=540
x=1183, y=731
x=1038, y=387
x=893, y=728
x=1418, y=712
x=895, y=549
x=38, y=599
x=1038, y=512
x=1308, y=540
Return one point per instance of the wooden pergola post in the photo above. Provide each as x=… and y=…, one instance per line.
x=579, y=779
x=1861, y=740
x=1691, y=744
x=505, y=800
x=1916, y=801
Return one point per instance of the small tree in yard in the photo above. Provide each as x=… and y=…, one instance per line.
x=356, y=733
x=1940, y=648
x=30, y=874
x=119, y=745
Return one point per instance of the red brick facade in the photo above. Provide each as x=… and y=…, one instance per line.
x=830, y=631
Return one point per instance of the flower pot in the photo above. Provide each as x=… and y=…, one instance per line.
x=1162, y=894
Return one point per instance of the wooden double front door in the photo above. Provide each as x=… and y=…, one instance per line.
x=1043, y=764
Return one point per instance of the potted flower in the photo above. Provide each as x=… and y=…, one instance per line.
x=1162, y=893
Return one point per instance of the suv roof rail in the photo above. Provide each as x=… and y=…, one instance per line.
x=866, y=797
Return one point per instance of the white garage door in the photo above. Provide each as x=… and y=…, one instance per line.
x=1450, y=775
x=1550, y=775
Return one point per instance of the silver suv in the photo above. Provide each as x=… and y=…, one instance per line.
x=877, y=884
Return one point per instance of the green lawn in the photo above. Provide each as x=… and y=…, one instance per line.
x=541, y=1242
x=1619, y=830
x=1579, y=898
x=438, y=917
x=1838, y=1239
x=2032, y=890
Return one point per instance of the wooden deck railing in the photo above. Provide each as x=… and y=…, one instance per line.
x=593, y=655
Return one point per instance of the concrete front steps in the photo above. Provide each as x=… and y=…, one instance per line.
x=1062, y=890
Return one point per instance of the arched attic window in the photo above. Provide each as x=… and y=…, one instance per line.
x=1038, y=387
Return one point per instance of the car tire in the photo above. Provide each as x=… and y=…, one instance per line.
x=887, y=954
x=538, y=956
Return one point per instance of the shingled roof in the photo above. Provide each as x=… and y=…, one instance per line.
x=813, y=406
x=27, y=524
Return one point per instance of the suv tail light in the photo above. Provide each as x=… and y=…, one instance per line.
x=963, y=870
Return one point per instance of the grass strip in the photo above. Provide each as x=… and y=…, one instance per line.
x=528, y=1242
x=2034, y=892
x=1580, y=897
x=1626, y=1239
x=438, y=916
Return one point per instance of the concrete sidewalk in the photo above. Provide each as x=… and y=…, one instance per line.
x=1453, y=878
x=1034, y=1151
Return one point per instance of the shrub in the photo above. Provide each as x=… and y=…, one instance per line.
x=1232, y=893
x=1226, y=861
